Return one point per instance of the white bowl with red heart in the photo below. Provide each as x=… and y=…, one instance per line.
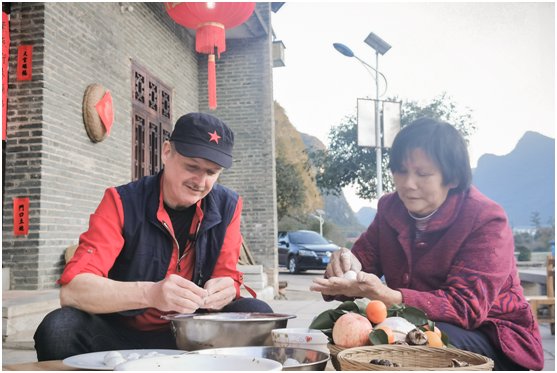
x=300, y=338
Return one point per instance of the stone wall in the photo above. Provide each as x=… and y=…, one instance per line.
x=49, y=156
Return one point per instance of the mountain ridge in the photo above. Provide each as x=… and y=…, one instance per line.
x=522, y=181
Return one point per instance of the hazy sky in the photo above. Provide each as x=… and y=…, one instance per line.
x=498, y=59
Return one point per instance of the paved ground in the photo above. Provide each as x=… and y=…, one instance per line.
x=301, y=302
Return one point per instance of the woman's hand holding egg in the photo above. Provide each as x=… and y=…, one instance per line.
x=341, y=262
x=340, y=276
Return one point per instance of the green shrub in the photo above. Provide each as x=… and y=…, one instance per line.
x=524, y=255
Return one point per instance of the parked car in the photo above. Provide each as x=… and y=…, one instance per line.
x=302, y=250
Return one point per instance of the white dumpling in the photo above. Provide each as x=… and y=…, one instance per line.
x=290, y=362
x=111, y=355
x=112, y=362
x=133, y=356
x=152, y=354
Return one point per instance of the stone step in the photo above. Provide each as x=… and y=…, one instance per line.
x=254, y=277
x=256, y=281
x=22, y=312
x=246, y=269
x=266, y=294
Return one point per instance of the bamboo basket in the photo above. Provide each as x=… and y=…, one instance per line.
x=410, y=358
x=334, y=350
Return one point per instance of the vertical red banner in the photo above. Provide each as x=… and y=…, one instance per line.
x=21, y=216
x=24, y=62
x=5, y=60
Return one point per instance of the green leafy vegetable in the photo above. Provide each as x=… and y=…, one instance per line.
x=362, y=304
x=411, y=314
x=378, y=337
x=445, y=340
x=326, y=319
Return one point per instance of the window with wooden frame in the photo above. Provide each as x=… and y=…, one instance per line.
x=151, y=121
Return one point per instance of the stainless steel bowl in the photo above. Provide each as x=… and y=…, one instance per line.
x=225, y=329
x=306, y=359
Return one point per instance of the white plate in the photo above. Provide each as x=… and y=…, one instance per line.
x=95, y=360
x=202, y=363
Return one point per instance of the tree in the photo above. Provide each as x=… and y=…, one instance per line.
x=289, y=194
x=523, y=239
x=345, y=163
x=297, y=192
x=524, y=255
x=535, y=219
x=442, y=107
x=543, y=238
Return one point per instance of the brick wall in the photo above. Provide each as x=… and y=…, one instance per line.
x=244, y=98
x=49, y=156
x=24, y=145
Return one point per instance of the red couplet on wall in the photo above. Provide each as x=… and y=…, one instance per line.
x=21, y=216
x=5, y=60
x=105, y=111
x=24, y=62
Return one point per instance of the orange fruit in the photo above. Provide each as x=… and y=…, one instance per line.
x=376, y=311
x=389, y=332
x=433, y=339
x=435, y=330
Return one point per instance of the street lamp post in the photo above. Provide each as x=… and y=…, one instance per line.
x=381, y=47
x=320, y=218
x=378, y=150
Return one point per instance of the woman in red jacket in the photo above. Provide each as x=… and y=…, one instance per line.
x=444, y=248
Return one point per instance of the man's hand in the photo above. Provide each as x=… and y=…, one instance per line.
x=221, y=291
x=176, y=294
x=341, y=262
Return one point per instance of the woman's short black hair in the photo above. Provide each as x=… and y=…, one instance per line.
x=442, y=143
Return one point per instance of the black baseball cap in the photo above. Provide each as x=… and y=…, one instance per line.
x=201, y=135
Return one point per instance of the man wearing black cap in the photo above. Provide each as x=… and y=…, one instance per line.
x=163, y=244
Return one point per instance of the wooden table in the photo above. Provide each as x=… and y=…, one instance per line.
x=41, y=365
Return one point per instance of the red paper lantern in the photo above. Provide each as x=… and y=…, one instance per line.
x=210, y=20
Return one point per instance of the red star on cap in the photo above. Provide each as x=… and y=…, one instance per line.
x=214, y=136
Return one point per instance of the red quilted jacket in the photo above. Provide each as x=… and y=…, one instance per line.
x=462, y=270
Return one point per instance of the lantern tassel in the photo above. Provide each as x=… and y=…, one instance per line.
x=212, y=82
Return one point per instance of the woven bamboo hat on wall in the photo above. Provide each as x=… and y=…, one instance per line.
x=91, y=119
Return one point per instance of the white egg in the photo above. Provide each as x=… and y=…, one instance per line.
x=350, y=275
